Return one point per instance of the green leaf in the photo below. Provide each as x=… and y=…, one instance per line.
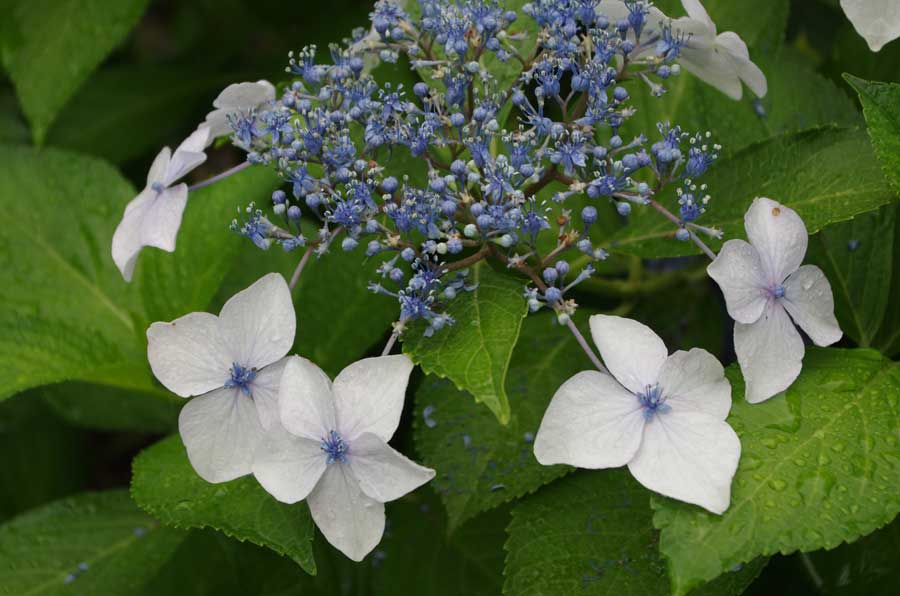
x=827, y=175
x=13, y=129
x=95, y=543
x=165, y=485
x=818, y=467
x=881, y=107
x=591, y=533
x=857, y=258
x=112, y=409
x=867, y=566
x=43, y=458
x=68, y=314
x=154, y=104
x=474, y=353
x=479, y=463
x=888, y=339
x=52, y=46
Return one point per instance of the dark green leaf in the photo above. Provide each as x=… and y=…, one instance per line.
x=50, y=47
x=818, y=467
x=479, y=463
x=165, y=485
x=95, y=543
x=881, y=106
x=475, y=352
x=591, y=534
x=857, y=257
x=827, y=175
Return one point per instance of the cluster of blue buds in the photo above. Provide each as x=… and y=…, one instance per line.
x=471, y=161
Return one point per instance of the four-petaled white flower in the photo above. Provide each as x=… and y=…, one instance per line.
x=721, y=60
x=877, y=21
x=234, y=100
x=663, y=416
x=763, y=283
x=233, y=362
x=333, y=449
x=154, y=216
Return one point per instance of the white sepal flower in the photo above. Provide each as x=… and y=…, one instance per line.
x=333, y=448
x=154, y=216
x=233, y=362
x=719, y=59
x=877, y=21
x=763, y=283
x=236, y=99
x=663, y=416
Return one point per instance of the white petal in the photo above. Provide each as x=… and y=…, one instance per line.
x=383, y=473
x=259, y=322
x=688, y=456
x=695, y=10
x=779, y=235
x=218, y=124
x=878, y=21
x=188, y=355
x=591, y=422
x=221, y=431
x=809, y=301
x=770, y=352
x=264, y=390
x=695, y=381
x=158, y=169
x=187, y=156
x=243, y=96
x=351, y=521
x=288, y=467
x=632, y=352
x=305, y=400
x=746, y=70
x=151, y=219
x=739, y=272
x=369, y=396
x=713, y=66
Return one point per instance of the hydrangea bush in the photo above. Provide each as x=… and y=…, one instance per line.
x=446, y=198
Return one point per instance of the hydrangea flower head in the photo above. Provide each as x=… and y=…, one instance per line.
x=765, y=287
x=154, y=216
x=663, y=416
x=333, y=451
x=233, y=363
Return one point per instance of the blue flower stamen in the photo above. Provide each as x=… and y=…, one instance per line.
x=334, y=447
x=653, y=401
x=241, y=377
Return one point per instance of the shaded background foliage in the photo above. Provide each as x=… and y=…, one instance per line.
x=168, y=59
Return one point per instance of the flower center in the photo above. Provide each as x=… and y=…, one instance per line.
x=157, y=187
x=653, y=401
x=777, y=291
x=241, y=377
x=334, y=447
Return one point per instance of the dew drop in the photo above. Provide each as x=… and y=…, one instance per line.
x=778, y=484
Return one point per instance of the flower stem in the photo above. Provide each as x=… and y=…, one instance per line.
x=584, y=346
x=296, y=276
x=668, y=214
x=390, y=343
x=223, y=175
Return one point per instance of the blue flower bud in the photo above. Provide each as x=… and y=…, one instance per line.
x=373, y=248
x=682, y=234
x=408, y=254
x=620, y=93
x=454, y=246
x=664, y=71
x=278, y=197
x=457, y=119
x=396, y=275
x=349, y=243
x=584, y=245
x=389, y=184
x=476, y=209
x=458, y=167
x=420, y=89
x=552, y=295
x=483, y=221
x=562, y=267
x=615, y=142
x=623, y=208
x=589, y=215
x=550, y=274
x=294, y=212
x=630, y=161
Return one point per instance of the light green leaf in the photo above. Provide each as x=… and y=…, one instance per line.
x=479, y=463
x=165, y=485
x=857, y=257
x=591, y=534
x=881, y=107
x=888, y=339
x=50, y=47
x=827, y=175
x=95, y=543
x=474, y=353
x=819, y=466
